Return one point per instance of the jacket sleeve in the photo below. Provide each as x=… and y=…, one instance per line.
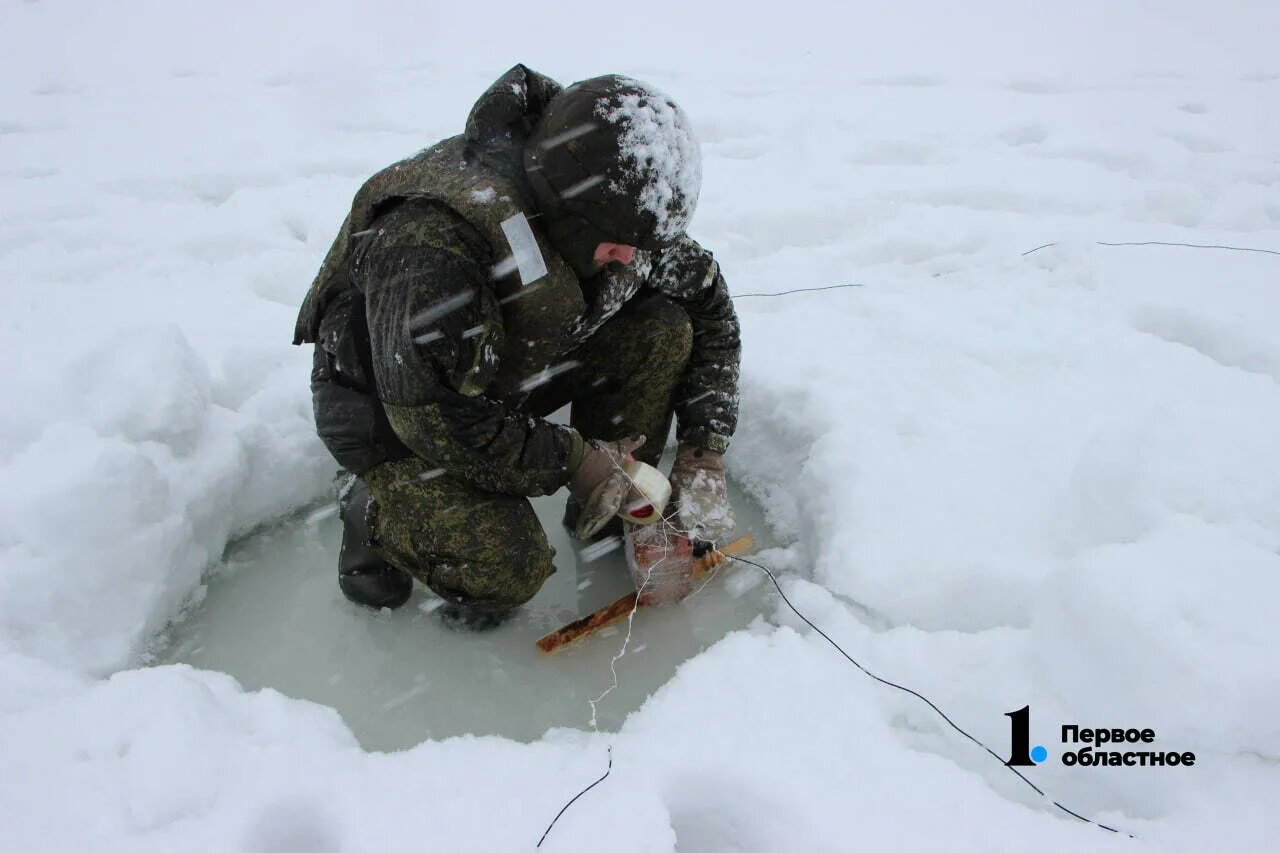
x=435, y=329
x=707, y=398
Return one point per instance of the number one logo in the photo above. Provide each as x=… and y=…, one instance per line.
x=1020, y=749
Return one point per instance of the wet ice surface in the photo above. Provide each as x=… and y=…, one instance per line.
x=273, y=617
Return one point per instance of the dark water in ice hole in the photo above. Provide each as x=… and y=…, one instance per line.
x=273, y=617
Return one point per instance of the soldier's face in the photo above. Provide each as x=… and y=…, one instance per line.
x=609, y=252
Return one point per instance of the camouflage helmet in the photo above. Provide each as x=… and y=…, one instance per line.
x=614, y=160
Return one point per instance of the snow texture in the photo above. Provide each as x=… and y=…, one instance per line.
x=1005, y=479
x=658, y=145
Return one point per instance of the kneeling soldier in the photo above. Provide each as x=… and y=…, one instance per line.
x=538, y=259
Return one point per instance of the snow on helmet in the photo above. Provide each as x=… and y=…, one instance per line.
x=614, y=160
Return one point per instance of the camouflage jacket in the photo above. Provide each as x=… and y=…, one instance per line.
x=427, y=337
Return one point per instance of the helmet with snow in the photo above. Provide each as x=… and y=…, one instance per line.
x=613, y=160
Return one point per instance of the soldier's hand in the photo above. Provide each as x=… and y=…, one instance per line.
x=700, y=496
x=600, y=484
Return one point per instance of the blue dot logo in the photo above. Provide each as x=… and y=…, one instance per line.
x=1039, y=754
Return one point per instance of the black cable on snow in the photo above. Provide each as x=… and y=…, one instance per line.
x=797, y=290
x=565, y=807
x=919, y=696
x=1167, y=243
x=1193, y=246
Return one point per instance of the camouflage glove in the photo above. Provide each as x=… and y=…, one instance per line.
x=600, y=484
x=699, y=496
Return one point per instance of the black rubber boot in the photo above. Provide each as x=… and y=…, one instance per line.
x=363, y=576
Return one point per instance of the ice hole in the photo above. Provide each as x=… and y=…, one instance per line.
x=273, y=616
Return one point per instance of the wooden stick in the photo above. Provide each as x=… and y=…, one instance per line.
x=588, y=625
x=580, y=629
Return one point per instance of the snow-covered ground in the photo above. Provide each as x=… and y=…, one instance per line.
x=1005, y=479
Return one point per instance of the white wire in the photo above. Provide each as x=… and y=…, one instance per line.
x=648, y=575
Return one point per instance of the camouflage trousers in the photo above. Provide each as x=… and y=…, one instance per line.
x=487, y=551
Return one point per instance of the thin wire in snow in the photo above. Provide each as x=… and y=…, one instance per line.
x=1166, y=243
x=614, y=542
x=576, y=796
x=797, y=290
x=612, y=669
x=1031, y=252
x=667, y=525
x=1193, y=246
x=622, y=651
x=919, y=696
